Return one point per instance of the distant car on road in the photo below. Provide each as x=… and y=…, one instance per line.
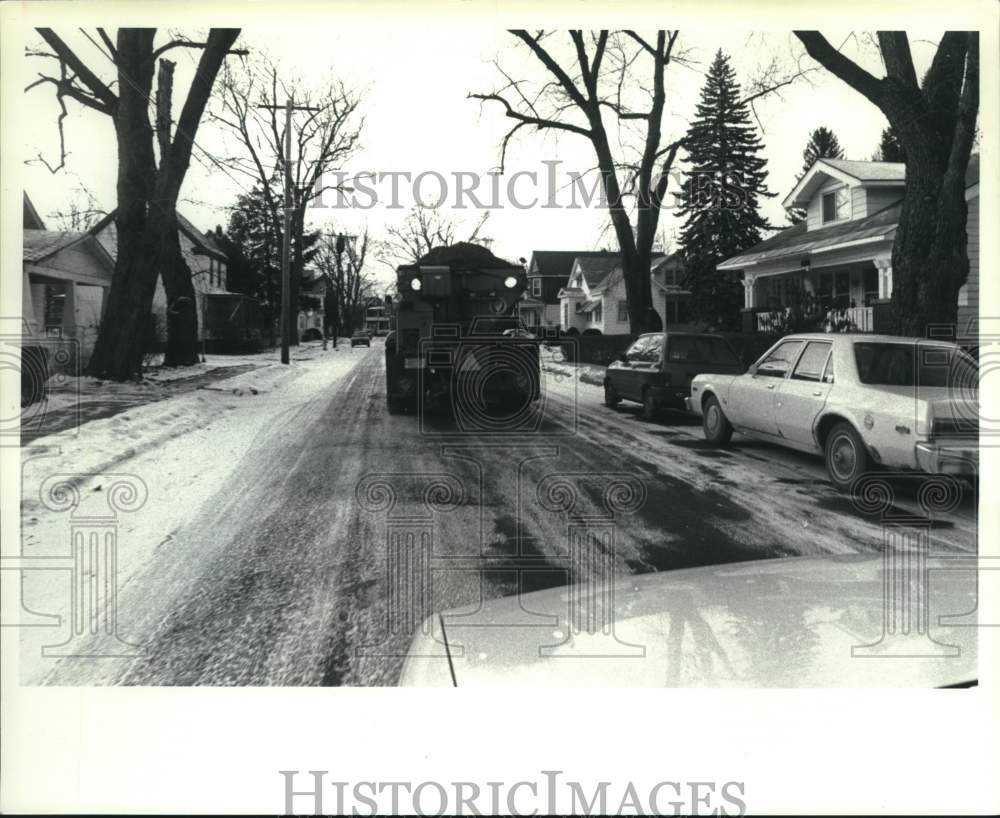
x=787, y=622
x=657, y=369
x=361, y=338
x=859, y=400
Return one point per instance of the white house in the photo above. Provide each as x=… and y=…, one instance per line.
x=593, y=299
x=840, y=255
x=671, y=300
x=66, y=276
x=548, y=271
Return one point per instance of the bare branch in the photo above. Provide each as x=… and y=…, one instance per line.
x=524, y=119
x=820, y=49
x=163, y=49
x=106, y=99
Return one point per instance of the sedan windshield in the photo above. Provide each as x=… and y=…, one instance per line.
x=882, y=364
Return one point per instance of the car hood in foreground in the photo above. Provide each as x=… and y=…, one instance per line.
x=794, y=622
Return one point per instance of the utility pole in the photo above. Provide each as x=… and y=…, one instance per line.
x=287, y=312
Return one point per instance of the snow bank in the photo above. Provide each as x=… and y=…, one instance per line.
x=180, y=450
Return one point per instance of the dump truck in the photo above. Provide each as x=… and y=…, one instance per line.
x=456, y=340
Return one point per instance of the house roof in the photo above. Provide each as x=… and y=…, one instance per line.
x=40, y=244
x=659, y=263
x=200, y=239
x=798, y=240
x=559, y=263
x=596, y=269
x=32, y=221
x=846, y=171
x=106, y=233
x=869, y=171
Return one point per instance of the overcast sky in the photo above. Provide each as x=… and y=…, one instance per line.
x=414, y=83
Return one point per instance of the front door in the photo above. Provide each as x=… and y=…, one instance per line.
x=752, y=396
x=800, y=398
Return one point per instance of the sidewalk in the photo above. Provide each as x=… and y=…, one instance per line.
x=551, y=360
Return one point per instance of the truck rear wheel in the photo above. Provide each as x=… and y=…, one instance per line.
x=611, y=398
x=650, y=408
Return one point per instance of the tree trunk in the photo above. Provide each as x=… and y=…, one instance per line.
x=182, y=302
x=935, y=123
x=635, y=261
x=119, y=349
x=929, y=256
x=148, y=245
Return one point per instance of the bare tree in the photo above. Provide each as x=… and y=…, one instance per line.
x=935, y=122
x=619, y=75
x=250, y=106
x=341, y=259
x=146, y=216
x=80, y=214
x=423, y=229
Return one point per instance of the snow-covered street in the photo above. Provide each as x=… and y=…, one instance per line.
x=263, y=550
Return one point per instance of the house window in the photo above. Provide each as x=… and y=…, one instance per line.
x=597, y=315
x=536, y=287
x=835, y=290
x=622, y=311
x=836, y=205
x=870, y=282
x=675, y=311
x=55, y=304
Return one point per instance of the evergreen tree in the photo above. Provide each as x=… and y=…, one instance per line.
x=889, y=148
x=253, y=242
x=822, y=144
x=720, y=199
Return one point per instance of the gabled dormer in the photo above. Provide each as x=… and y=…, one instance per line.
x=834, y=191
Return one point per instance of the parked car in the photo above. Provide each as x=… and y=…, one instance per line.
x=361, y=338
x=657, y=369
x=787, y=622
x=859, y=400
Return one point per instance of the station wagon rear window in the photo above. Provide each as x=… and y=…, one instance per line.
x=694, y=349
x=881, y=364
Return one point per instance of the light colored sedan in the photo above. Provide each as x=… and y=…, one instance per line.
x=859, y=400
x=789, y=622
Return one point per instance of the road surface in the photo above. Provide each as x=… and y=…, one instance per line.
x=341, y=526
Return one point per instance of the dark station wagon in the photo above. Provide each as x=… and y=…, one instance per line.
x=657, y=369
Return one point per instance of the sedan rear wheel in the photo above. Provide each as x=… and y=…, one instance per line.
x=847, y=457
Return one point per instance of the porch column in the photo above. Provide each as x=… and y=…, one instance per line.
x=69, y=311
x=884, y=267
x=28, y=311
x=749, y=291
